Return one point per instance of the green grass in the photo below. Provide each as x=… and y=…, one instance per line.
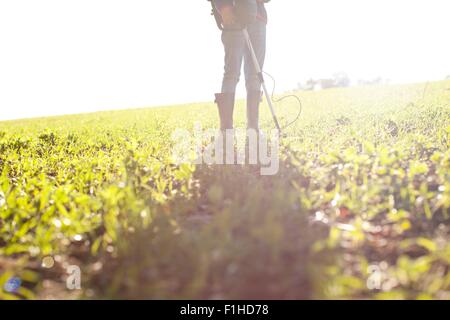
x=364, y=185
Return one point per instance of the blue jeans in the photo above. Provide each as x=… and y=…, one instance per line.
x=236, y=50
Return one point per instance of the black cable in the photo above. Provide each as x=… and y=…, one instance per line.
x=274, y=100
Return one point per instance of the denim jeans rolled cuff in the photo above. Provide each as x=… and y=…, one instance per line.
x=236, y=52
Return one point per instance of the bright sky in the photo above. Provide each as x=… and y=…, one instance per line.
x=71, y=56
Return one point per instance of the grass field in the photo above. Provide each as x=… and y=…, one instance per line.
x=359, y=208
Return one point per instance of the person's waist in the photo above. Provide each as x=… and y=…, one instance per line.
x=261, y=9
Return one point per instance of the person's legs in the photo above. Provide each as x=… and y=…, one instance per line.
x=257, y=32
x=234, y=47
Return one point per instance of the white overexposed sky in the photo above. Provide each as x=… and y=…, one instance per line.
x=71, y=56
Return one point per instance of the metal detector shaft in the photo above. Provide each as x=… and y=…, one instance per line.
x=261, y=76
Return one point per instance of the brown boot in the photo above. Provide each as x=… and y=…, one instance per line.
x=253, y=101
x=225, y=104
